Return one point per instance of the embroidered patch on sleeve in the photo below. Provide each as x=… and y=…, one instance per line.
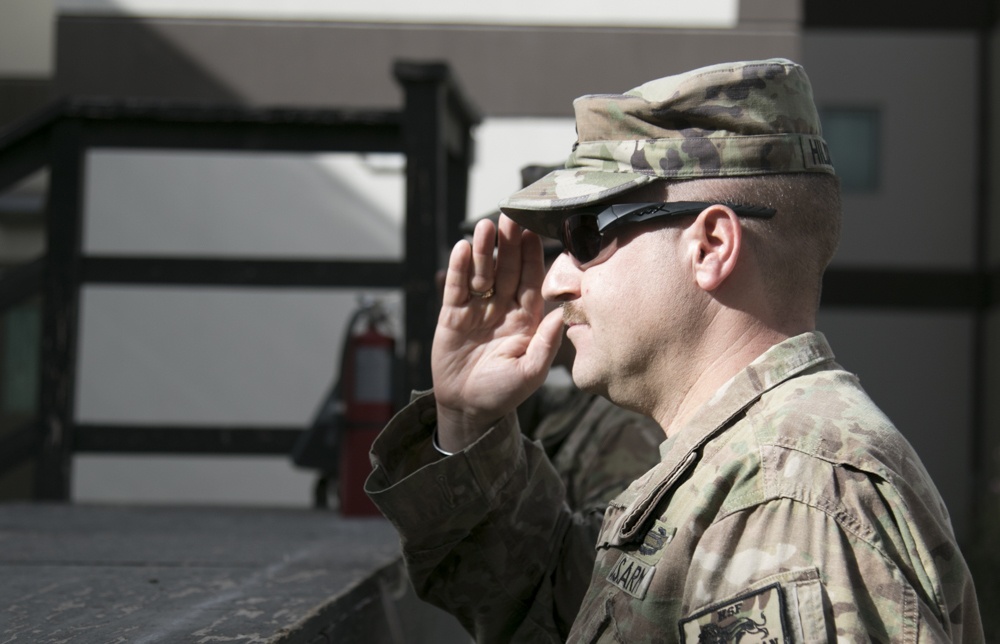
x=758, y=616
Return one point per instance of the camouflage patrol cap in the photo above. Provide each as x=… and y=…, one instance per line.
x=529, y=174
x=728, y=120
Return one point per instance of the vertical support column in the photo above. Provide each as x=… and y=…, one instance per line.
x=60, y=291
x=435, y=200
x=461, y=119
x=983, y=522
x=984, y=504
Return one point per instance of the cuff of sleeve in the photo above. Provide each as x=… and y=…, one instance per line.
x=413, y=485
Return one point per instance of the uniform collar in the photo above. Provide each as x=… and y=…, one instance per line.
x=776, y=365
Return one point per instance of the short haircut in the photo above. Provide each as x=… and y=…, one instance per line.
x=794, y=247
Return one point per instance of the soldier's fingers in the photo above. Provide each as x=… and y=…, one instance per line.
x=508, y=258
x=532, y=271
x=483, y=243
x=456, y=279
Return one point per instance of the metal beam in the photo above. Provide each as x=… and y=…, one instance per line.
x=435, y=198
x=906, y=289
x=242, y=272
x=160, y=439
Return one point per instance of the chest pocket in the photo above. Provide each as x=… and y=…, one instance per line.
x=627, y=571
x=596, y=623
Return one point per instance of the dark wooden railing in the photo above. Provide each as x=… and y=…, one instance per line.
x=433, y=132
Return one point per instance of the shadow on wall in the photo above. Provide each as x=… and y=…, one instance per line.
x=326, y=63
x=117, y=57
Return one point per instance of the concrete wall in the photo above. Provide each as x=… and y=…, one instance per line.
x=27, y=52
x=506, y=70
x=26, y=44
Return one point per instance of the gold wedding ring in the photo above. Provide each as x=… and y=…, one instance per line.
x=483, y=295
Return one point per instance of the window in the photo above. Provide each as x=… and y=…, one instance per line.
x=853, y=137
x=21, y=328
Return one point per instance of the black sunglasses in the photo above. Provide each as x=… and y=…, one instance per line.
x=583, y=233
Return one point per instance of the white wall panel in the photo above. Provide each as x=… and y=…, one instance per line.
x=209, y=356
x=187, y=203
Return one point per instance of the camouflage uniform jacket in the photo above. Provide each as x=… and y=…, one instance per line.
x=787, y=509
x=596, y=447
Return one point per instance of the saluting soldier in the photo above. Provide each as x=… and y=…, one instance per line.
x=698, y=213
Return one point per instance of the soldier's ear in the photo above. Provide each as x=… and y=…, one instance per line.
x=716, y=243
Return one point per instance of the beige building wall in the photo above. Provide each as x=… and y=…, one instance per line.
x=506, y=70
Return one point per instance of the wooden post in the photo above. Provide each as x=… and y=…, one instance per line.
x=60, y=291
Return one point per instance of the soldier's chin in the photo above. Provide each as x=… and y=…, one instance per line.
x=587, y=381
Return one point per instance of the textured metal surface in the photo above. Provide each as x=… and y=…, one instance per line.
x=170, y=574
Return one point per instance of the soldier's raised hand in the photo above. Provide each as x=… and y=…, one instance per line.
x=493, y=345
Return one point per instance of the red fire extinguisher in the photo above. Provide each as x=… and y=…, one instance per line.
x=367, y=388
x=352, y=413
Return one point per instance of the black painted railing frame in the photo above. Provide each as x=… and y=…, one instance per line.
x=433, y=131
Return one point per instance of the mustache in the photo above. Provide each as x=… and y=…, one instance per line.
x=572, y=314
